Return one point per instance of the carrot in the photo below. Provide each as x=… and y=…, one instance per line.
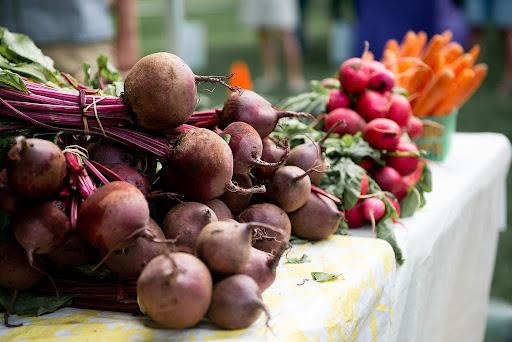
x=452, y=51
x=462, y=82
x=392, y=45
x=475, y=52
x=434, y=93
x=436, y=44
x=463, y=62
x=241, y=75
x=408, y=44
x=417, y=81
x=480, y=73
x=420, y=44
x=439, y=63
x=447, y=36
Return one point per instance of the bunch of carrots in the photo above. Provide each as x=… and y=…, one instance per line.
x=438, y=75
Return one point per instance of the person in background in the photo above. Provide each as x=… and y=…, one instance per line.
x=482, y=13
x=271, y=19
x=76, y=31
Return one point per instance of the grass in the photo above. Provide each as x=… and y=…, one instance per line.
x=228, y=40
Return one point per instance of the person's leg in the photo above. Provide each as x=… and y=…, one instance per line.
x=268, y=56
x=293, y=59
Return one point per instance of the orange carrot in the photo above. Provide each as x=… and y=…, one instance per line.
x=436, y=44
x=439, y=63
x=447, y=36
x=417, y=81
x=475, y=52
x=434, y=93
x=452, y=51
x=420, y=44
x=463, y=62
x=408, y=44
x=392, y=45
x=480, y=73
x=241, y=75
x=462, y=82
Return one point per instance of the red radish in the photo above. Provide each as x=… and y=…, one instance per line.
x=372, y=105
x=381, y=80
x=253, y=109
x=395, y=204
x=236, y=303
x=185, y=221
x=382, y=134
x=364, y=185
x=247, y=148
x=261, y=266
x=35, y=168
x=133, y=176
x=8, y=199
x=40, y=228
x=400, y=110
x=272, y=152
x=290, y=188
x=354, y=216
x=175, y=290
x=402, y=190
x=16, y=272
x=367, y=163
x=309, y=156
x=220, y=209
x=353, y=122
x=225, y=246
x=113, y=213
x=388, y=179
x=375, y=66
x=337, y=99
x=354, y=75
x=405, y=165
x=73, y=252
x=317, y=219
x=268, y=240
x=108, y=153
x=415, y=128
x=373, y=210
x=237, y=201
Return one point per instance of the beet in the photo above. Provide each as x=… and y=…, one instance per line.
x=268, y=240
x=382, y=134
x=73, y=252
x=200, y=166
x=9, y=201
x=236, y=303
x=247, y=148
x=290, y=188
x=225, y=246
x=337, y=99
x=175, y=290
x=35, y=168
x=185, y=221
x=109, y=153
x=16, y=273
x=405, y=165
x=309, y=156
x=161, y=90
x=133, y=176
x=261, y=267
x=272, y=153
x=354, y=75
x=109, y=217
x=220, y=209
x=237, y=201
x=372, y=105
x=253, y=109
x=317, y=219
x=40, y=228
x=387, y=178
x=353, y=122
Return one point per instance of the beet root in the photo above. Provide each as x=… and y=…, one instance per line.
x=113, y=213
x=108, y=153
x=185, y=221
x=175, y=290
x=73, y=252
x=261, y=266
x=200, y=166
x=272, y=152
x=220, y=209
x=236, y=303
x=290, y=188
x=133, y=176
x=16, y=273
x=35, y=168
x=9, y=201
x=237, y=201
x=268, y=240
x=317, y=219
x=308, y=156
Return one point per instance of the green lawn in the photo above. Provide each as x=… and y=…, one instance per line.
x=228, y=40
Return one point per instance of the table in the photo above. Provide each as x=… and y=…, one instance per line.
x=439, y=294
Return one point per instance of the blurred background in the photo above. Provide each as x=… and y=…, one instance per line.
x=284, y=44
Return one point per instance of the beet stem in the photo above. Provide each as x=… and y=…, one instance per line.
x=217, y=79
x=290, y=114
x=233, y=187
x=320, y=191
x=8, y=311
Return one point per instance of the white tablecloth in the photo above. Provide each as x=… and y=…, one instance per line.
x=441, y=291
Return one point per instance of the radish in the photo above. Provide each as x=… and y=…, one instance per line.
x=387, y=178
x=405, y=165
x=110, y=216
x=381, y=80
x=175, y=290
x=382, y=134
x=353, y=122
x=8, y=199
x=415, y=128
x=272, y=152
x=247, y=148
x=261, y=266
x=16, y=272
x=367, y=163
x=402, y=189
x=236, y=303
x=185, y=221
x=309, y=156
x=225, y=246
x=364, y=185
x=73, y=252
x=354, y=216
x=317, y=219
x=237, y=201
x=373, y=210
x=290, y=188
x=35, y=168
x=133, y=176
x=268, y=240
x=107, y=153
x=354, y=75
x=220, y=209
x=253, y=109
x=40, y=228
x=395, y=204
x=372, y=105
x=337, y=99
x=400, y=110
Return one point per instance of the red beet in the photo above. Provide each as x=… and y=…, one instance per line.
x=16, y=273
x=109, y=153
x=337, y=99
x=405, y=165
x=133, y=176
x=388, y=179
x=237, y=201
x=309, y=156
x=372, y=105
x=382, y=134
x=415, y=128
x=9, y=201
x=353, y=122
x=290, y=188
x=220, y=209
x=354, y=75
x=400, y=110
x=272, y=153
x=261, y=266
x=73, y=252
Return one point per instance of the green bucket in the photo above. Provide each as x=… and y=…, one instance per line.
x=437, y=134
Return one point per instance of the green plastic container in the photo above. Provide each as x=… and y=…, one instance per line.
x=438, y=132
